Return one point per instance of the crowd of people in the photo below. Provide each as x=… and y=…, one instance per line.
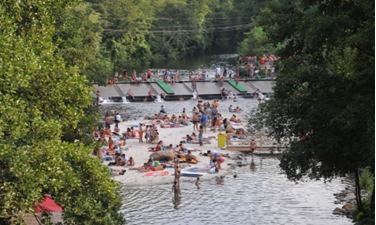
x=204, y=118
x=252, y=67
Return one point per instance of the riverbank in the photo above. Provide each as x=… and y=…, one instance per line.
x=139, y=152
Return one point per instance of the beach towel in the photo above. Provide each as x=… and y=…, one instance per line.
x=157, y=173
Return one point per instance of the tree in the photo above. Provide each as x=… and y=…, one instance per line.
x=41, y=96
x=325, y=89
x=256, y=43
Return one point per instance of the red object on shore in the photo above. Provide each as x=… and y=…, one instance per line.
x=48, y=205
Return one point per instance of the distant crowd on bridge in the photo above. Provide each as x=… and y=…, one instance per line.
x=251, y=67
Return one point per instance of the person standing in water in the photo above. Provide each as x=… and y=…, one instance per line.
x=198, y=182
x=252, y=146
x=175, y=188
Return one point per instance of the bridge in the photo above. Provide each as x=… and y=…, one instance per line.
x=182, y=89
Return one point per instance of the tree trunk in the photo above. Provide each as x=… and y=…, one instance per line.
x=358, y=194
x=372, y=203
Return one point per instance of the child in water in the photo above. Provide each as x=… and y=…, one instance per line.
x=198, y=182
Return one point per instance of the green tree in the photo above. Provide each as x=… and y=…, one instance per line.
x=42, y=96
x=325, y=89
x=256, y=43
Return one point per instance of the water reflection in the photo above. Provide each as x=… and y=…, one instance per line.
x=252, y=165
x=176, y=201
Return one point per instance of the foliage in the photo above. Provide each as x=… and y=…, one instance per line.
x=325, y=89
x=137, y=33
x=256, y=43
x=367, y=181
x=42, y=96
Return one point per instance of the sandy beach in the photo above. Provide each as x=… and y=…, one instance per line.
x=140, y=153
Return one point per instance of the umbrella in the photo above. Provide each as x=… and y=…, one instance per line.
x=48, y=205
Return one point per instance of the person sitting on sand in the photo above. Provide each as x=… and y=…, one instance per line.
x=154, y=137
x=130, y=94
x=189, y=157
x=173, y=119
x=131, y=162
x=189, y=139
x=234, y=120
x=119, y=161
x=237, y=110
x=159, y=146
x=127, y=134
x=230, y=109
x=184, y=120
x=229, y=128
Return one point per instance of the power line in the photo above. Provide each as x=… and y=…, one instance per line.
x=203, y=30
x=180, y=26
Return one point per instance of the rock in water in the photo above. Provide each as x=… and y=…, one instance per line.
x=339, y=211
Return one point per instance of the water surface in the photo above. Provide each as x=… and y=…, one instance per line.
x=260, y=194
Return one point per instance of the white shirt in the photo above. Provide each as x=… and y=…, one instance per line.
x=218, y=69
x=118, y=118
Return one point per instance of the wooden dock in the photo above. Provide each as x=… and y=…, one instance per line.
x=263, y=142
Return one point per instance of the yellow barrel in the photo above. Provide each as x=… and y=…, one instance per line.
x=221, y=139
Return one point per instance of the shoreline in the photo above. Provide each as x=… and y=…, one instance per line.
x=140, y=154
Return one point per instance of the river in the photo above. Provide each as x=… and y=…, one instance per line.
x=260, y=194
